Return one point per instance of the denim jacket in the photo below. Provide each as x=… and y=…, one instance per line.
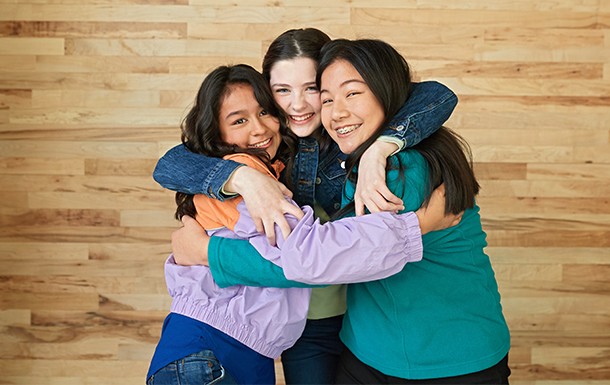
x=315, y=176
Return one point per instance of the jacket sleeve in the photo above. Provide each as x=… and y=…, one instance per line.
x=237, y=262
x=350, y=250
x=182, y=170
x=427, y=109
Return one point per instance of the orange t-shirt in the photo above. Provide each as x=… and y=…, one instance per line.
x=213, y=214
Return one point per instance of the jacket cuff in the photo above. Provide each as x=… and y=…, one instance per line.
x=413, y=241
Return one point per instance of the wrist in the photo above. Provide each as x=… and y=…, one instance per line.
x=381, y=148
x=234, y=184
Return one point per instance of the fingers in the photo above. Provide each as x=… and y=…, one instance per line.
x=269, y=230
x=281, y=221
x=188, y=220
x=385, y=192
x=359, y=207
x=292, y=210
x=284, y=190
x=258, y=223
x=382, y=200
x=284, y=227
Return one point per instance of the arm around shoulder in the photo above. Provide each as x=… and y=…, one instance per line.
x=182, y=170
x=427, y=109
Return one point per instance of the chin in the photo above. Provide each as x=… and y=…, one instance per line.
x=346, y=149
x=303, y=132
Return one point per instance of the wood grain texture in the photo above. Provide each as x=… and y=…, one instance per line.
x=92, y=93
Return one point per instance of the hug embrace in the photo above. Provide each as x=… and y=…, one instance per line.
x=403, y=294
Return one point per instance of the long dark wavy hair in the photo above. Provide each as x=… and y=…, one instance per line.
x=201, y=128
x=386, y=73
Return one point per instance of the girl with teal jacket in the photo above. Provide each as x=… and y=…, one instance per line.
x=439, y=320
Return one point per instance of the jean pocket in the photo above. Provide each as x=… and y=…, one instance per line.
x=202, y=368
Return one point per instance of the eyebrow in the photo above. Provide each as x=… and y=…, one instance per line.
x=288, y=85
x=346, y=83
x=232, y=113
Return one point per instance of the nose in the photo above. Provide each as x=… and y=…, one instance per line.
x=257, y=127
x=339, y=109
x=298, y=102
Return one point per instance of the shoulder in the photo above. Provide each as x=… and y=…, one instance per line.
x=407, y=177
x=408, y=164
x=250, y=161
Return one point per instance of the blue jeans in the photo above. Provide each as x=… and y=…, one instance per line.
x=200, y=368
x=315, y=356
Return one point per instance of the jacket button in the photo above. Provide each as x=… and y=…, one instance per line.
x=337, y=206
x=343, y=164
x=318, y=180
x=400, y=128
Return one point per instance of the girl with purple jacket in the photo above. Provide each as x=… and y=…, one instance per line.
x=232, y=335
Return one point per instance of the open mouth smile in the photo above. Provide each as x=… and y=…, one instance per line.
x=347, y=129
x=264, y=143
x=301, y=118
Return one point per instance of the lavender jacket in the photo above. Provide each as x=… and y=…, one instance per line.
x=270, y=320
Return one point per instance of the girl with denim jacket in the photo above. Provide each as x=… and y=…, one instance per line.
x=317, y=176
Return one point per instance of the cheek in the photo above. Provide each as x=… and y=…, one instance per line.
x=223, y=135
x=282, y=100
x=274, y=125
x=325, y=114
x=315, y=102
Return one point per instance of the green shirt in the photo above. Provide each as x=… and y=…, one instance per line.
x=327, y=301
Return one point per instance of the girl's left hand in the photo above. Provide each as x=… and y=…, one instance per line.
x=371, y=189
x=190, y=243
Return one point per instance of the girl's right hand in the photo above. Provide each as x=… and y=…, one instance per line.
x=265, y=200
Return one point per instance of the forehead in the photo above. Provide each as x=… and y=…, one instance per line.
x=340, y=74
x=238, y=97
x=293, y=71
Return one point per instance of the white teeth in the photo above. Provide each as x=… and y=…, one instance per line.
x=301, y=118
x=345, y=130
x=261, y=144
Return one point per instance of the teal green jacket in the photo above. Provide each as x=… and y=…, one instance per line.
x=439, y=317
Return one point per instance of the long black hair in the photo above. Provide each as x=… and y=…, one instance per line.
x=387, y=75
x=201, y=128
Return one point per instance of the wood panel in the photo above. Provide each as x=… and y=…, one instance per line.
x=92, y=93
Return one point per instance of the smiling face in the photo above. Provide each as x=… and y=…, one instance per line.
x=293, y=83
x=244, y=123
x=350, y=111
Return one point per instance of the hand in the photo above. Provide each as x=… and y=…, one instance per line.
x=190, y=243
x=265, y=201
x=371, y=189
x=433, y=218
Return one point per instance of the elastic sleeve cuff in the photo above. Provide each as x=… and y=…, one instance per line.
x=390, y=139
x=214, y=262
x=413, y=241
x=224, y=194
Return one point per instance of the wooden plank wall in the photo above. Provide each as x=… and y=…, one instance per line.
x=92, y=92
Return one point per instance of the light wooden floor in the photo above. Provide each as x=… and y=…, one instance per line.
x=92, y=92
